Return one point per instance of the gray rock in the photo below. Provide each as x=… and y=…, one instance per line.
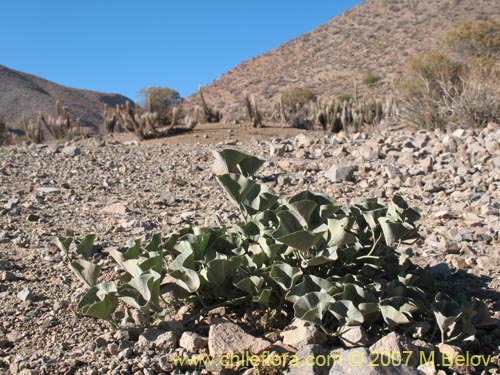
x=71, y=151
x=192, y=341
x=225, y=337
x=353, y=337
x=392, y=171
x=394, y=342
x=303, y=364
x=340, y=173
x=301, y=333
x=25, y=295
x=277, y=149
x=116, y=209
x=157, y=338
x=303, y=140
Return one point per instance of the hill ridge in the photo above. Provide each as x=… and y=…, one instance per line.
x=374, y=37
x=26, y=93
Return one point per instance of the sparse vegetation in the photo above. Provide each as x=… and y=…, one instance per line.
x=302, y=256
x=441, y=92
x=59, y=127
x=161, y=100
x=144, y=123
x=371, y=79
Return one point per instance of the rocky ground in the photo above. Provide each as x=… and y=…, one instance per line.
x=124, y=190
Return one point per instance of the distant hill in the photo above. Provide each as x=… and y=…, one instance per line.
x=373, y=38
x=25, y=93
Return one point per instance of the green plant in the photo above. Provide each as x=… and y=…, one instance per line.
x=344, y=98
x=371, y=79
x=138, y=288
x=302, y=255
x=159, y=100
x=475, y=40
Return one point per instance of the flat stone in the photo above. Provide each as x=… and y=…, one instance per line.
x=25, y=295
x=303, y=365
x=353, y=337
x=277, y=149
x=225, y=337
x=116, y=209
x=394, y=342
x=156, y=338
x=47, y=190
x=71, y=151
x=301, y=333
x=192, y=341
x=340, y=173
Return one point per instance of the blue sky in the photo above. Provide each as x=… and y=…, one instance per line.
x=122, y=46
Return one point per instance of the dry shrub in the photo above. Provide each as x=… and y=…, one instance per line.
x=440, y=92
x=297, y=97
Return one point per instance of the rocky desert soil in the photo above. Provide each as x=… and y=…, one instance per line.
x=122, y=190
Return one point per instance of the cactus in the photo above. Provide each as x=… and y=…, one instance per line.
x=211, y=115
x=33, y=129
x=252, y=111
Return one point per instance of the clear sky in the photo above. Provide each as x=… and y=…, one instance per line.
x=122, y=46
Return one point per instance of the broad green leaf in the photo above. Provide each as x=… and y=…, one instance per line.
x=339, y=232
x=251, y=285
x=247, y=194
x=220, y=272
x=285, y=275
x=446, y=312
x=182, y=268
x=128, y=260
x=399, y=209
x=394, y=317
x=303, y=211
x=100, y=301
x=312, y=306
x=264, y=297
x=155, y=244
x=396, y=231
x=86, y=271
x=234, y=161
x=475, y=315
x=346, y=313
x=64, y=243
x=310, y=283
x=85, y=247
x=292, y=233
x=328, y=255
x=142, y=292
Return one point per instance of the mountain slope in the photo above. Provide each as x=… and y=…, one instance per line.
x=375, y=37
x=24, y=93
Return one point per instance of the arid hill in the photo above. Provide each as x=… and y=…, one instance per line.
x=374, y=38
x=24, y=93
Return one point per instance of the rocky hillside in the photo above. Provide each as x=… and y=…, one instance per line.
x=24, y=93
x=374, y=38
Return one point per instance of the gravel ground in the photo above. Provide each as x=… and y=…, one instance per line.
x=125, y=190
